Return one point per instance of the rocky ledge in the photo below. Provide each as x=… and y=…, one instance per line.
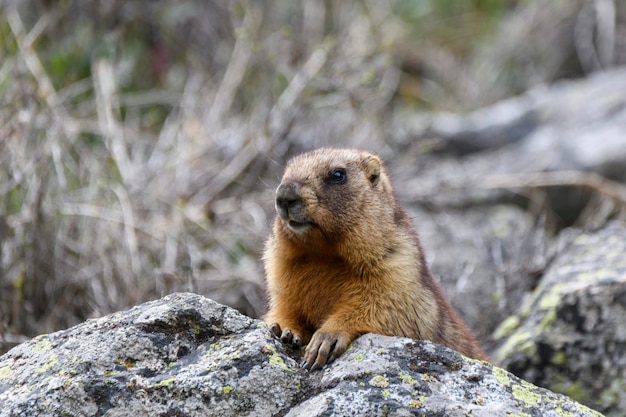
x=186, y=355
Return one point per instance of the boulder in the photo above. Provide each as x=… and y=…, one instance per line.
x=570, y=126
x=570, y=335
x=186, y=355
x=575, y=124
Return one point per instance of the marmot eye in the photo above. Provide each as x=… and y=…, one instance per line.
x=338, y=176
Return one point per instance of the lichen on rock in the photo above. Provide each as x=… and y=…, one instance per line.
x=186, y=355
x=571, y=334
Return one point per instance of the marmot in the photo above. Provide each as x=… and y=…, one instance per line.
x=343, y=259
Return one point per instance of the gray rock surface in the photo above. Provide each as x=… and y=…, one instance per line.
x=185, y=355
x=570, y=336
x=581, y=121
x=572, y=125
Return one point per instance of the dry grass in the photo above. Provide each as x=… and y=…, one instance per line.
x=113, y=197
x=140, y=141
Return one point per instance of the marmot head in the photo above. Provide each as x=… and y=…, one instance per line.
x=334, y=196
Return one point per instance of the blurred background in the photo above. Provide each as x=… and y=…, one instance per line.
x=141, y=141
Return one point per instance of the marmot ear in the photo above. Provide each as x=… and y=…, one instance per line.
x=371, y=164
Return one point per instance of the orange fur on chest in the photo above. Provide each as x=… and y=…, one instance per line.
x=312, y=289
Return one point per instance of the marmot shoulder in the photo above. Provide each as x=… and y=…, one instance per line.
x=343, y=259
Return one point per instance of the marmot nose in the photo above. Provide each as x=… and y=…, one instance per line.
x=288, y=198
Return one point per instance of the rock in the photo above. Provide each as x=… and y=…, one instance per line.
x=573, y=125
x=185, y=355
x=181, y=355
x=570, y=336
x=580, y=122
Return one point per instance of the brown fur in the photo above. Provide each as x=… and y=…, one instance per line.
x=351, y=262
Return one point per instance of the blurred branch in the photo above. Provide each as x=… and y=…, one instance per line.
x=597, y=18
x=606, y=17
x=282, y=111
x=588, y=180
x=105, y=86
x=102, y=213
x=46, y=89
x=279, y=120
x=25, y=44
x=237, y=64
x=129, y=230
x=313, y=19
x=171, y=144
